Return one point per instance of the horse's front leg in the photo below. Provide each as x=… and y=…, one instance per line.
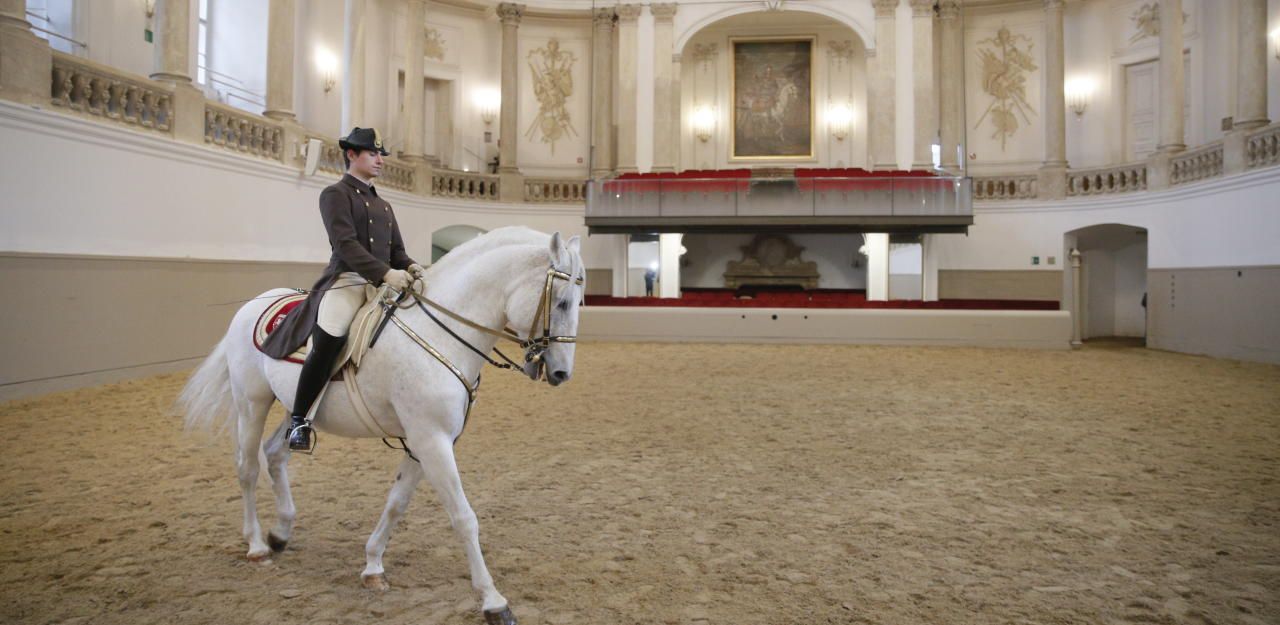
x=435, y=454
x=407, y=478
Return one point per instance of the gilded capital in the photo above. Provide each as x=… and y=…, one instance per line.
x=948, y=9
x=629, y=12
x=885, y=8
x=922, y=8
x=510, y=12
x=663, y=11
x=603, y=18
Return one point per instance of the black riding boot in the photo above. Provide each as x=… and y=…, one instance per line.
x=315, y=373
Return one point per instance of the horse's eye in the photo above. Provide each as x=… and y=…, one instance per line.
x=563, y=305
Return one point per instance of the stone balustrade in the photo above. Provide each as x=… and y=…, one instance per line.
x=1199, y=164
x=1125, y=178
x=233, y=129
x=1263, y=147
x=555, y=190
x=106, y=93
x=330, y=157
x=397, y=175
x=1004, y=187
x=464, y=185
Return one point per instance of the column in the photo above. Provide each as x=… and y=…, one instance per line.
x=353, y=61
x=1077, y=303
x=881, y=97
x=415, y=42
x=602, y=96
x=675, y=135
x=664, y=115
x=280, y=33
x=621, y=264
x=669, y=246
x=926, y=104
x=26, y=61
x=1251, y=66
x=510, y=182
x=929, y=266
x=1172, y=132
x=1052, y=183
x=172, y=42
x=877, y=248
x=626, y=89
x=952, y=84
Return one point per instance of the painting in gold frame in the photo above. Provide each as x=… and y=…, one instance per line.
x=772, y=86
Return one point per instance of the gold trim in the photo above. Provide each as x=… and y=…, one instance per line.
x=733, y=99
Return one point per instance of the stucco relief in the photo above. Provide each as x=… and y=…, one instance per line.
x=435, y=46
x=704, y=54
x=1006, y=66
x=840, y=52
x=552, y=74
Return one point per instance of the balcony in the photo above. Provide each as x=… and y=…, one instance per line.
x=805, y=201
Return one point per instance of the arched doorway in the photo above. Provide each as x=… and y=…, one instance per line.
x=1113, y=276
x=449, y=237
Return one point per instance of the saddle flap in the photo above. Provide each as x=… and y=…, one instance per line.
x=359, y=336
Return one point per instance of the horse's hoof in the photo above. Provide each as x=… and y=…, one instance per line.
x=260, y=558
x=376, y=582
x=500, y=617
x=277, y=544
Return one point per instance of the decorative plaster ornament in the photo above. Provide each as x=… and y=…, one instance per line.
x=552, y=85
x=704, y=53
x=1146, y=22
x=435, y=46
x=840, y=51
x=1005, y=69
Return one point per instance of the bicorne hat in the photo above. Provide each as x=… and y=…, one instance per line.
x=363, y=139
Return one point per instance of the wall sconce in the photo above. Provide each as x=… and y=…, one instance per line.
x=1078, y=92
x=839, y=118
x=488, y=101
x=704, y=123
x=151, y=8
x=1275, y=41
x=327, y=63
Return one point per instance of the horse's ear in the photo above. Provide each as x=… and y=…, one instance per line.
x=557, y=246
x=574, y=244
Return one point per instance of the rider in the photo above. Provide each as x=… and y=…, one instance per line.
x=367, y=248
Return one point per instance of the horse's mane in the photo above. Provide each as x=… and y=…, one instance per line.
x=487, y=242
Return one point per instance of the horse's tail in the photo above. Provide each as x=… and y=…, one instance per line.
x=205, y=402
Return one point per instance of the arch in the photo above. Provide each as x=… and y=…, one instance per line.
x=449, y=237
x=858, y=26
x=1113, y=275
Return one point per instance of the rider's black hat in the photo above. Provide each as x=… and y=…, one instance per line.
x=363, y=139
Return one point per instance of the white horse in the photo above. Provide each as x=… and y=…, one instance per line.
x=502, y=279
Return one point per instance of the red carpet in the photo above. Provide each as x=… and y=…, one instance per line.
x=823, y=298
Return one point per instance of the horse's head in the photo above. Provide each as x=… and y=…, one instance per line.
x=553, y=329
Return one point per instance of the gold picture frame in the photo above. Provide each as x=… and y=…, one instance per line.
x=772, y=113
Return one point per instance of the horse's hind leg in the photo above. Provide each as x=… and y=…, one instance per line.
x=250, y=419
x=277, y=453
x=407, y=478
x=440, y=468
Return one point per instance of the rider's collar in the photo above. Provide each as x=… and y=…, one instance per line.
x=359, y=184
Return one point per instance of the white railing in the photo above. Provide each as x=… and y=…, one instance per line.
x=466, y=185
x=1004, y=187
x=233, y=129
x=397, y=175
x=1263, y=148
x=1124, y=178
x=563, y=190
x=93, y=89
x=1198, y=164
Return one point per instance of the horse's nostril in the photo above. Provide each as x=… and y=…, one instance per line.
x=560, y=376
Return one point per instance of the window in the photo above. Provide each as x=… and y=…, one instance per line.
x=202, y=43
x=54, y=21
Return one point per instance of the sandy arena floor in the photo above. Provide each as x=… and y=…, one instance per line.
x=690, y=484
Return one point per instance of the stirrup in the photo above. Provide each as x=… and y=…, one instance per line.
x=314, y=438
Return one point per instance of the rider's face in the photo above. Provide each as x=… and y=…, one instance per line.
x=367, y=164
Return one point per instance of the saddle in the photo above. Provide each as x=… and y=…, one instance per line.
x=359, y=338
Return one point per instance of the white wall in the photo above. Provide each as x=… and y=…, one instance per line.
x=835, y=254
x=238, y=49
x=319, y=33
x=200, y=202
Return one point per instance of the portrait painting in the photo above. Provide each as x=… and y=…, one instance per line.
x=772, y=98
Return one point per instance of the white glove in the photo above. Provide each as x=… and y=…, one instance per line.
x=397, y=279
x=416, y=270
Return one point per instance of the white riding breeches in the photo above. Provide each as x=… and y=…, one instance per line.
x=338, y=306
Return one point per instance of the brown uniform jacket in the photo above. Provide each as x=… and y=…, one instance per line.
x=364, y=237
